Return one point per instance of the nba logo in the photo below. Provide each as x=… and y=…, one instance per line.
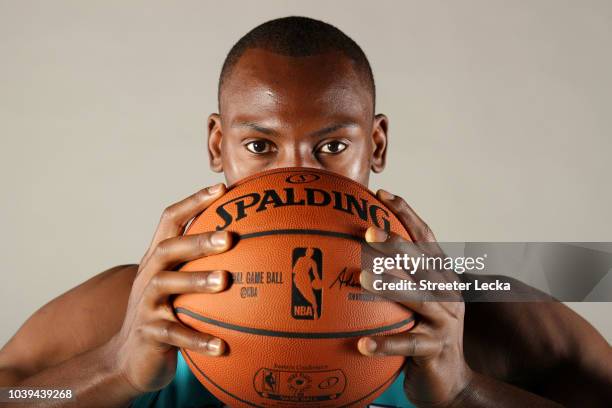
x=270, y=380
x=306, y=283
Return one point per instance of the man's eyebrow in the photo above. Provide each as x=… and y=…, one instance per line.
x=255, y=127
x=317, y=133
x=333, y=128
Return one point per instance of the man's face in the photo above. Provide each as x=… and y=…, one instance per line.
x=279, y=111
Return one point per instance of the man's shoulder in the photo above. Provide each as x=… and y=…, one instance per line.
x=64, y=327
x=514, y=338
x=114, y=283
x=119, y=275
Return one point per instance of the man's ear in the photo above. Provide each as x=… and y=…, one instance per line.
x=215, y=135
x=379, y=138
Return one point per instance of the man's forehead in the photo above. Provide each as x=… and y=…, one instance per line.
x=266, y=82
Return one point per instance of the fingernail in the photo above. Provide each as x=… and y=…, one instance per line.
x=362, y=278
x=215, y=347
x=215, y=189
x=385, y=195
x=219, y=238
x=368, y=345
x=374, y=234
x=215, y=279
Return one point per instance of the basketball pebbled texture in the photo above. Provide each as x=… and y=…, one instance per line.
x=294, y=311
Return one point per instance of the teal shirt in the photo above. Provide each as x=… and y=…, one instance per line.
x=185, y=391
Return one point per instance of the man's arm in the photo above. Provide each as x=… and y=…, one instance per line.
x=486, y=392
x=77, y=321
x=506, y=354
x=116, y=336
x=91, y=377
x=542, y=347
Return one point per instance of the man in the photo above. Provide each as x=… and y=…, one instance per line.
x=296, y=92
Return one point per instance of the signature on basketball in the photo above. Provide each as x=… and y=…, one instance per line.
x=345, y=278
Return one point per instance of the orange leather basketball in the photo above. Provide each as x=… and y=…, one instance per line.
x=295, y=310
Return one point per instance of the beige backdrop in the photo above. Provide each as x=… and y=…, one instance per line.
x=501, y=120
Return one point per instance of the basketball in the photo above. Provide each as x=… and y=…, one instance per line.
x=294, y=311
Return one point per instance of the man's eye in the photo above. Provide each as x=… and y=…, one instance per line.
x=258, y=146
x=333, y=147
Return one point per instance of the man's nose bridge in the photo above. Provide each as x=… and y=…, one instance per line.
x=298, y=156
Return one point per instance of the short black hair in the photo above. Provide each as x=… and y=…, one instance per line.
x=299, y=37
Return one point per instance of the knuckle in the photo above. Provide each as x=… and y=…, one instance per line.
x=388, y=346
x=162, y=249
x=402, y=208
x=169, y=214
x=156, y=283
x=412, y=345
x=428, y=233
x=400, y=203
x=202, y=195
x=165, y=330
x=197, y=281
x=203, y=240
x=141, y=332
x=145, y=331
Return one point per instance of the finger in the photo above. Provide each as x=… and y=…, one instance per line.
x=178, y=335
x=421, y=260
x=402, y=344
x=417, y=228
x=174, y=251
x=175, y=217
x=167, y=283
x=384, y=242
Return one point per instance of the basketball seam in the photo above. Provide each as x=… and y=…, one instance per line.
x=299, y=231
x=387, y=381
x=293, y=335
x=301, y=170
x=217, y=385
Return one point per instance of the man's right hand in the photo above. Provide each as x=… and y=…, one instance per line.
x=145, y=349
